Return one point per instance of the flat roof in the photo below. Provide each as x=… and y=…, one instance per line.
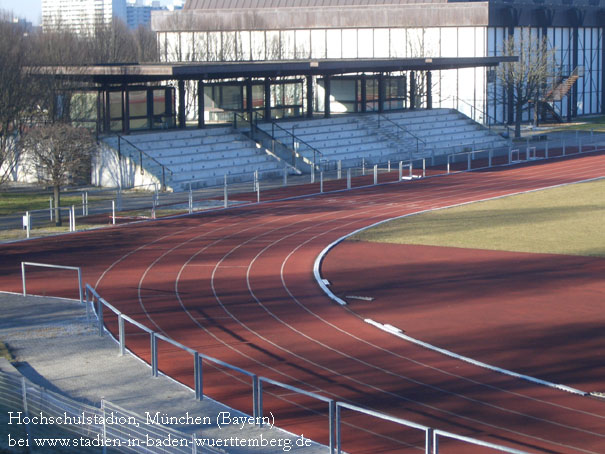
x=132, y=73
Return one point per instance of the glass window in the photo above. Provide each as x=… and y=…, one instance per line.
x=286, y=45
x=228, y=46
x=349, y=43
x=273, y=45
x=243, y=46
x=381, y=43
x=318, y=44
x=366, y=43
x=303, y=44
x=200, y=46
x=398, y=43
x=214, y=46
x=334, y=45
x=258, y=45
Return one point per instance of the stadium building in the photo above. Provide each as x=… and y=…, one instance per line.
x=291, y=30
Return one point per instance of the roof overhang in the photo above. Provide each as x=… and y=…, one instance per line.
x=136, y=73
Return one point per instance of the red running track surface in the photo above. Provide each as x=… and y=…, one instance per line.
x=238, y=285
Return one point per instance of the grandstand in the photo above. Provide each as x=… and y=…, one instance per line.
x=203, y=157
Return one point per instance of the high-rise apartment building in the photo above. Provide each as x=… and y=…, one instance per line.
x=81, y=15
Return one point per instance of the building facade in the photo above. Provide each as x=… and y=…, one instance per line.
x=81, y=16
x=285, y=30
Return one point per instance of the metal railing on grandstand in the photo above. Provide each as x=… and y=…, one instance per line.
x=10, y=390
x=113, y=206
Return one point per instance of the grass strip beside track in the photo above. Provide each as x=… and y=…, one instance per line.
x=564, y=220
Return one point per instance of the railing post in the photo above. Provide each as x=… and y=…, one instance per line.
x=349, y=178
x=113, y=212
x=468, y=164
x=510, y=155
x=256, y=404
x=313, y=172
x=411, y=169
x=225, y=193
x=389, y=166
x=448, y=163
x=80, y=285
x=198, y=376
x=50, y=204
x=321, y=182
x=285, y=176
x=489, y=158
x=100, y=316
x=190, y=200
x=332, y=424
x=546, y=151
x=435, y=443
x=23, y=278
x=121, y=335
x=363, y=166
x=25, y=408
x=375, y=173
x=428, y=443
x=339, y=169
x=154, y=355
x=400, y=170
x=337, y=427
x=423, y=167
x=163, y=179
x=28, y=223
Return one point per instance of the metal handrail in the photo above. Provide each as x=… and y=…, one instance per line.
x=403, y=128
x=486, y=115
x=141, y=153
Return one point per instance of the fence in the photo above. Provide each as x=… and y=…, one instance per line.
x=116, y=206
x=126, y=437
x=40, y=419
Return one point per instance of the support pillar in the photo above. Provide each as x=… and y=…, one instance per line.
x=309, y=96
x=572, y=110
x=267, y=93
x=106, y=113
x=327, y=96
x=201, y=106
x=364, y=93
x=149, y=98
x=125, y=110
x=181, y=109
x=249, y=99
x=429, y=90
x=380, y=92
x=412, y=90
x=509, y=90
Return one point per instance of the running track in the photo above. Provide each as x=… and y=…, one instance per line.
x=238, y=285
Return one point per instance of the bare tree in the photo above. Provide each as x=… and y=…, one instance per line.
x=17, y=93
x=523, y=80
x=58, y=154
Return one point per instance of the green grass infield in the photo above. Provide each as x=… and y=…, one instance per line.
x=564, y=220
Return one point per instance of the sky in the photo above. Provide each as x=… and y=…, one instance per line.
x=26, y=9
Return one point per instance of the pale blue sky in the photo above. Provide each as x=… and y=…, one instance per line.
x=28, y=9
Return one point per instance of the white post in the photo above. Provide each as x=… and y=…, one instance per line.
x=70, y=220
x=349, y=178
x=468, y=162
x=389, y=166
x=83, y=205
x=86, y=203
x=375, y=173
x=448, y=163
x=321, y=182
x=339, y=169
x=225, y=194
x=423, y=167
x=363, y=166
x=546, y=151
x=73, y=218
x=285, y=176
x=258, y=193
x=190, y=200
x=411, y=168
x=312, y=173
x=400, y=170
x=28, y=223
x=489, y=157
x=50, y=205
x=113, y=212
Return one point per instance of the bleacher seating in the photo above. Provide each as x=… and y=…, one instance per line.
x=407, y=134
x=200, y=157
x=204, y=157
